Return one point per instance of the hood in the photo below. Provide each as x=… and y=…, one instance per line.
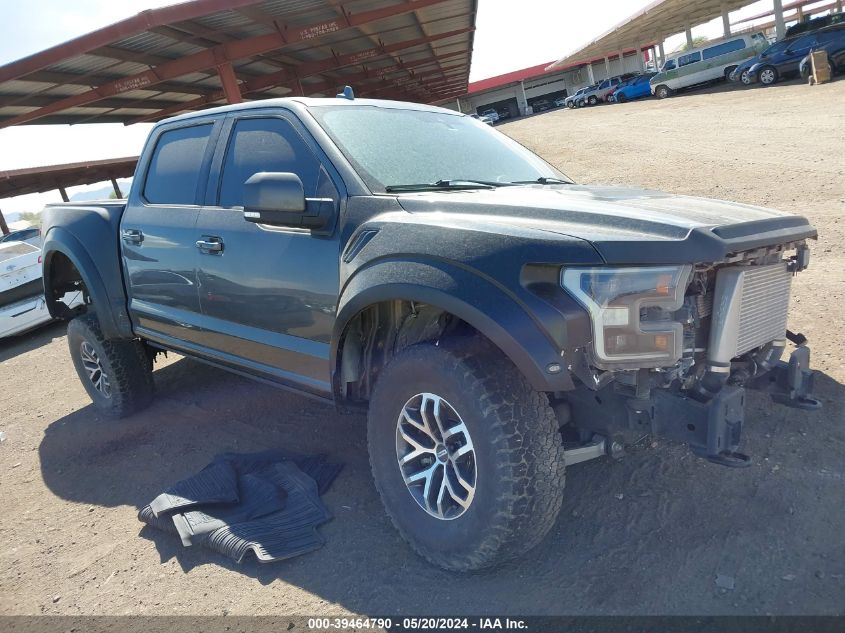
x=622, y=222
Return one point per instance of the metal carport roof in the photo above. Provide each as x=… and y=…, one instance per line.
x=191, y=55
x=17, y=182
x=656, y=22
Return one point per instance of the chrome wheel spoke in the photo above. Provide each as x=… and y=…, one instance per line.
x=94, y=368
x=436, y=457
x=416, y=418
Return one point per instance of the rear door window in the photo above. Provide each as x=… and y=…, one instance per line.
x=801, y=44
x=174, y=170
x=724, y=48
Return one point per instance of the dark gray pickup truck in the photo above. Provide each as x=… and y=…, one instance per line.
x=495, y=319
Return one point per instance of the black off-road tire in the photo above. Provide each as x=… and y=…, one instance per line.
x=126, y=364
x=518, y=454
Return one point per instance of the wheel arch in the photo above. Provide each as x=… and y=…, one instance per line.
x=448, y=293
x=64, y=260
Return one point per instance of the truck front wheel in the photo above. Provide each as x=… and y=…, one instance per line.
x=466, y=456
x=117, y=374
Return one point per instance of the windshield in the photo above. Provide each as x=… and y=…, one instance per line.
x=390, y=147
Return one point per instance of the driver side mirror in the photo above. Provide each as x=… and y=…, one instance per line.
x=278, y=199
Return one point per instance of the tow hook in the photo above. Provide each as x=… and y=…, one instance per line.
x=599, y=446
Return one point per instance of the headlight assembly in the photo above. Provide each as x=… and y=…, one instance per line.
x=631, y=312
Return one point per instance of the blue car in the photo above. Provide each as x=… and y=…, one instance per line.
x=635, y=88
x=787, y=62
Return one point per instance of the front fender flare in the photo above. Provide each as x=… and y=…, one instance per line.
x=487, y=307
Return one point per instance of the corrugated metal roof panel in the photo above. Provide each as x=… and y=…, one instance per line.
x=178, y=42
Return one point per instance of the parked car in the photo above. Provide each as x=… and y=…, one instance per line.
x=491, y=114
x=31, y=235
x=740, y=73
x=787, y=61
x=707, y=63
x=635, y=88
x=835, y=56
x=611, y=98
x=814, y=24
x=479, y=305
x=572, y=100
x=541, y=105
x=560, y=102
x=484, y=119
x=599, y=92
x=22, y=302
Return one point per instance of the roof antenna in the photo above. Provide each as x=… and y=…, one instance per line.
x=347, y=93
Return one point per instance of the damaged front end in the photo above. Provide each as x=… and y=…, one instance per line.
x=675, y=348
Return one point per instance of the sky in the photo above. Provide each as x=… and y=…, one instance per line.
x=506, y=39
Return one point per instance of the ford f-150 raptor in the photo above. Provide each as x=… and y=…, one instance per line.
x=496, y=320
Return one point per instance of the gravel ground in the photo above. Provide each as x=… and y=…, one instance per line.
x=659, y=532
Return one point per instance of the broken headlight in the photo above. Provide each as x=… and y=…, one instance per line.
x=631, y=310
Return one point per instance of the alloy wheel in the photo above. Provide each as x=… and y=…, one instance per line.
x=94, y=368
x=767, y=77
x=436, y=456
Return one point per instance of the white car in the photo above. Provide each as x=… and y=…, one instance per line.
x=483, y=118
x=491, y=114
x=22, y=304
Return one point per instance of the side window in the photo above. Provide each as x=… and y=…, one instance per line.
x=265, y=145
x=724, y=49
x=685, y=60
x=669, y=65
x=174, y=171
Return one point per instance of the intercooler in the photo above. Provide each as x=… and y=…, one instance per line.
x=749, y=310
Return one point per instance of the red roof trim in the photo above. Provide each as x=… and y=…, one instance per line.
x=508, y=78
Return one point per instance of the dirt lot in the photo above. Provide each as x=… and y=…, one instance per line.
x=647, y=535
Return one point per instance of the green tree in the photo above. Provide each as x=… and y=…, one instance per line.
x=696, y=42
x=30, y=216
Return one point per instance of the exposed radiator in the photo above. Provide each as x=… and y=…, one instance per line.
x=750, y=309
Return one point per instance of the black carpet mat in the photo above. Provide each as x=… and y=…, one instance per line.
x=266, y=503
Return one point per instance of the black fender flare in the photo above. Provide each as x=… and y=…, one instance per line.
x=111, y=310
x=490, y=309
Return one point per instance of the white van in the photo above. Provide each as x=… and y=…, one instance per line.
x=709, y=62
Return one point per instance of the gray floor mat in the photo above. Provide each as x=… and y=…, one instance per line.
x=257, y=497
x=216, y=483
x=276, y=511
x=289, y=532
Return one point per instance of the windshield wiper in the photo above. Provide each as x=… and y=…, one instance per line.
x=454, y=185
x=542, y=180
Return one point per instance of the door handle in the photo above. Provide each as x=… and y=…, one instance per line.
x=210, y=244
x=132, y=236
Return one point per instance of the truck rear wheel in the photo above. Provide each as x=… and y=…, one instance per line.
x=466, y=456
x=117, y=374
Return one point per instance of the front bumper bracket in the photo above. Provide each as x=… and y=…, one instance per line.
x=790, y=383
